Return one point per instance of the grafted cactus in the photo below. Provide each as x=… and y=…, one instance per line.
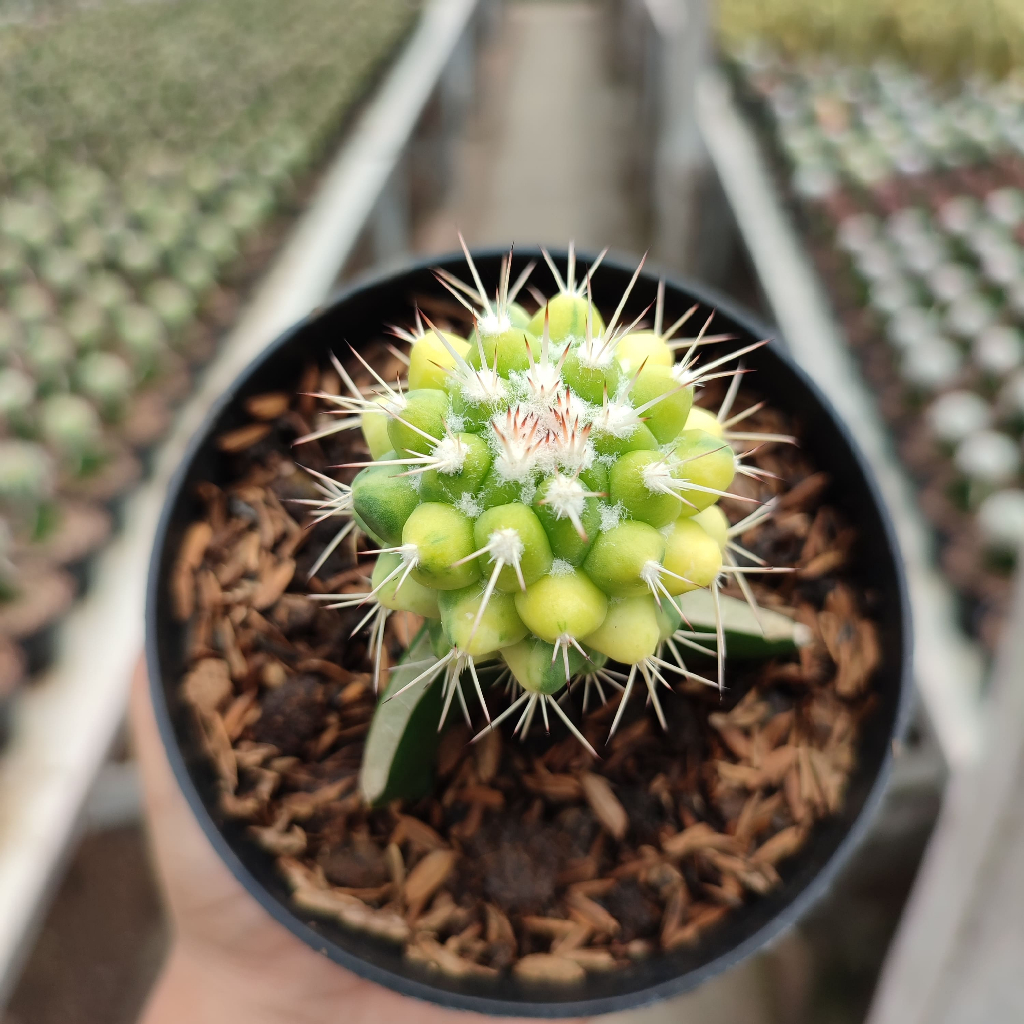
x=544, y=493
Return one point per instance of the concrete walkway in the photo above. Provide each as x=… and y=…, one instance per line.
x=540, y=162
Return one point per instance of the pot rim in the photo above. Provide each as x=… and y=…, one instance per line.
x=789, y=915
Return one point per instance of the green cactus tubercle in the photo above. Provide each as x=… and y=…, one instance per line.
x=544, y=491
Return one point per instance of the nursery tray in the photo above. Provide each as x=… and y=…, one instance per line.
x=948, y=666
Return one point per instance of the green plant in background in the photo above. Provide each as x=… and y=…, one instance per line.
x=141, y=147
x=27, y=482
x=127, y=96
x=547, y=508
x=947, y=38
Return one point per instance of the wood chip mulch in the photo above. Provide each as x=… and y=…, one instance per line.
x=531, y=857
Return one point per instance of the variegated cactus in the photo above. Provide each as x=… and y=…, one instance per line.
x=545, y=491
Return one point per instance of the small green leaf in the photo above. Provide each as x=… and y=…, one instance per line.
x=398, y=761
x=743, y=635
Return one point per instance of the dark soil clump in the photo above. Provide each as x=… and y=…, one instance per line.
x=291, y=714
x=518, y=865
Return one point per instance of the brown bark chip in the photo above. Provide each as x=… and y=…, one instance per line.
x=190, y=557
x=781, y=845
x=605, y=804
x=428, y=876
x=242, y=438
x=487, y=754
x=272, y=583
x=268, y=406
x=358, y=864
x=545, y=967
x=208, y=686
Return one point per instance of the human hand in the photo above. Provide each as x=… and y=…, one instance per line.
x=230, y=961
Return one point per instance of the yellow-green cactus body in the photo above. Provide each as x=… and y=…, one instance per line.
x=630, y=631
x=375, y=432
x=546, y=489
x=559, y=503
x=639, y=348
x=566, y=604
x=702, y=419
x=692, y=555
x=568, y=318
x=430, y=360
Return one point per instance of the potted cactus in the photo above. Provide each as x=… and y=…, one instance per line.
x=34, y=594
x=544, y=505
x=494, y=716
x=42, y=527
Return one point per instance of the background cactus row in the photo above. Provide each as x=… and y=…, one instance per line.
x=912, y=197
x=149, y=156
x=945, y=37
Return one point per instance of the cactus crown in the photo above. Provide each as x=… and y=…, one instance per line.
x=544, y=491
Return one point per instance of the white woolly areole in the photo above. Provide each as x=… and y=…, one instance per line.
x=528, y=492
x=570, y=408
x=617, y=418
x=455, y=423
x=391, y=403
x=540, y=384
x=569, y=447
x=468, y=505
x=567, y=433
x=565, y=497
x=560, y=567
x=515, y=437
x=657, y=478
x=482, y=387
x=651, y=573
x=596, y=354
x=409, y=553
x=686, y=373
x=681, y=374
x=611, y=515
x=525, y=439
x=450, y=455
x=494, y=323
x=506, y=544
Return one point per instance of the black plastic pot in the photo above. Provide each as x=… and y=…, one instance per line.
x=356, y=315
